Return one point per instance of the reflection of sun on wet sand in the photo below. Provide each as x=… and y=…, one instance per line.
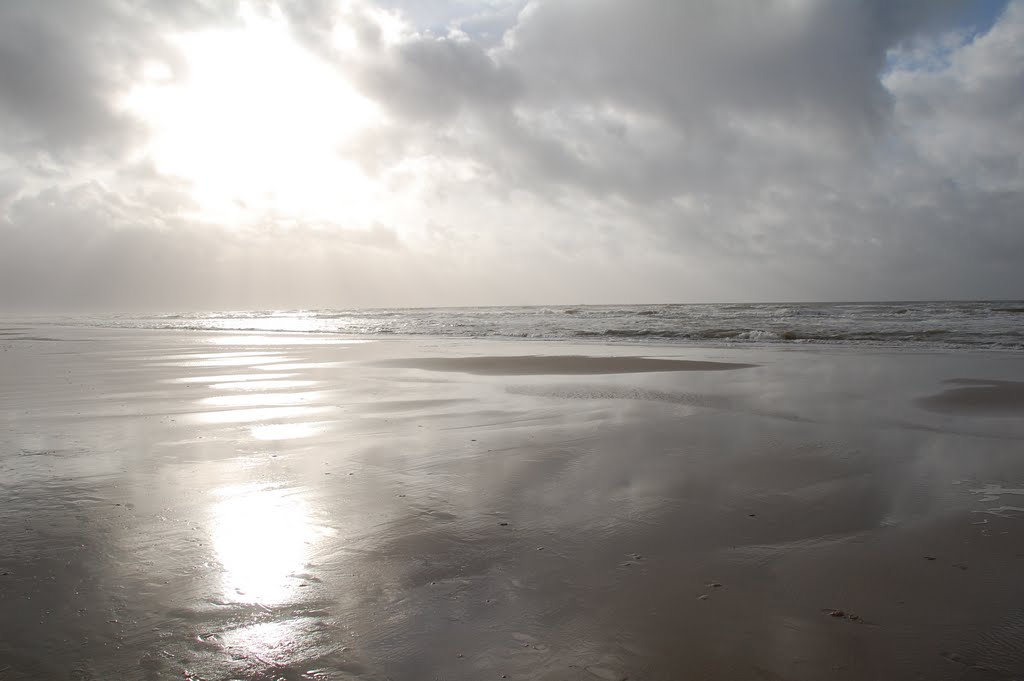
x=261, y=536
x=217, y=505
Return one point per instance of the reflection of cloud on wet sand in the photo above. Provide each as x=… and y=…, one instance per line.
x=978, y=398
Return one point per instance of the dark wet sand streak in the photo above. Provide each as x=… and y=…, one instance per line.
x=556, y=365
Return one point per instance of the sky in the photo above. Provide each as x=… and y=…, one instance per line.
x=211, y=154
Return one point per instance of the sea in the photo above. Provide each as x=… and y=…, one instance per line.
x=986, y=325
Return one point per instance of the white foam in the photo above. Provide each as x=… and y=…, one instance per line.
x=993, y=492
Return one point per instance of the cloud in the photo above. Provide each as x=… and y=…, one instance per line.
x=62, y=61
x=960, y=108
x=577, y=151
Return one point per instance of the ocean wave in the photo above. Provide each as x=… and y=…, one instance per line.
x=987, y=325
x=759, y=335
x=632, y=333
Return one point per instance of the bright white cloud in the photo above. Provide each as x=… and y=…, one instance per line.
x=255, y=126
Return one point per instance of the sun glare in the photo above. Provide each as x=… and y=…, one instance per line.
x=262, y=536
x=255, y=126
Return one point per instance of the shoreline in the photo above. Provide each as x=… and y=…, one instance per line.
x=939, y=326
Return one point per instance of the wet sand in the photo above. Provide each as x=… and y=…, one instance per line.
x=233, y=506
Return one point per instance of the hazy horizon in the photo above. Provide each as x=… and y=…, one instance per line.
x=326, y=154
x=212, y=310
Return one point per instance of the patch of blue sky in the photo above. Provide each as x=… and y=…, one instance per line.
x=980, y=16
x=933, y=54
x=482, y=20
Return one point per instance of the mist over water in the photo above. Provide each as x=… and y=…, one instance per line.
x=989, y=325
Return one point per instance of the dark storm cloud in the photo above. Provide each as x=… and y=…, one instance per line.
x=436, y=78
x=709, y=89
x=746, y=132
x=648, y=98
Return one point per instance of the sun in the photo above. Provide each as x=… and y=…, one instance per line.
x=255, y=125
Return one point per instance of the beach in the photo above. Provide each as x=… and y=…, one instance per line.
x=243, y=505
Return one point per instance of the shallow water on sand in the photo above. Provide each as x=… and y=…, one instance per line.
x=219, y=506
